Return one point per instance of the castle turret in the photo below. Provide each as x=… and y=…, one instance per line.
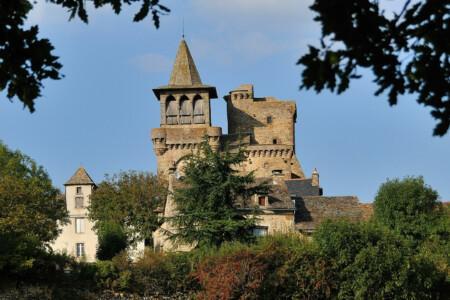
x=78, y=237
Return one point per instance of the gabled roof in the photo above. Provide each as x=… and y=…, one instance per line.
x=184, y=74
x=313, y=210
x=302, y=187
x=80, y=177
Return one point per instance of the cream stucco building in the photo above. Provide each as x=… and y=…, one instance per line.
x=78, y=238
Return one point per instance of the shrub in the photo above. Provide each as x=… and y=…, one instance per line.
x=162, y=274
x=239, y=275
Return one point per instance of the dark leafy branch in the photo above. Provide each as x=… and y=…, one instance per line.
x=408, y=53
x=27, y=60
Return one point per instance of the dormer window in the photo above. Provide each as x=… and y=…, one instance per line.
x=78, y=190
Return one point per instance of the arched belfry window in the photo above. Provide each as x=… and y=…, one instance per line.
x=171, y=110
x=185, y=110
x=199, y=115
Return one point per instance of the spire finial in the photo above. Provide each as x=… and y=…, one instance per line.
x=182, y=35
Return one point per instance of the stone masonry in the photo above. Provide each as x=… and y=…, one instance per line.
x=265, y=126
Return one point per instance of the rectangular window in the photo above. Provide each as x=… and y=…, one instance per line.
x=260, y=231
x=78, y=190
x=79, y=202
x=79, y=225
x=269, y=119
x=262, y=200
x=80, y=249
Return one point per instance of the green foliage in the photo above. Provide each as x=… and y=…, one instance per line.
x=162, y=274
x=374, y=262
x=111, y=240
x=206, y=203
x=306, y=274
x=129, y=199
x=26, y=60
x=407, y=53
x=31, y=210
x=407, y=206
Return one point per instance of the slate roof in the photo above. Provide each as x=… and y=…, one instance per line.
x=185, y=74
x=278, y=196
x=80, y=177
x=312, y=210
x=302, y=187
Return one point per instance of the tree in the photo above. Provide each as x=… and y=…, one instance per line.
x=408, y=53
x=27, y=60
x=111, y=240
x=31, y=210
x=408, y=206
x=206, y=213
x=374, y=262
x=129, y=199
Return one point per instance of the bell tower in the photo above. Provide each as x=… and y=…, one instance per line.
x=185, y=100
x=185, y=113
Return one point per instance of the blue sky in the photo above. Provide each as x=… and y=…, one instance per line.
x=101, y=113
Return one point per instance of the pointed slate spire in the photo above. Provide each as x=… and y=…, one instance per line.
x=80, y=177
x=184, y=75
x=184, y=71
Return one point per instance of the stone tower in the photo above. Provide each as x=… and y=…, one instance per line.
x=78, y=237
x=185, y=113
x=267, y=126
x=185, y=121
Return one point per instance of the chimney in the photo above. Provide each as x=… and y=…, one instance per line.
x=315, y=178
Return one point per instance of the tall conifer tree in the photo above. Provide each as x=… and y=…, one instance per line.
x=208, y=198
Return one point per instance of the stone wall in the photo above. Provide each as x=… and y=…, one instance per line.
x=270, y=123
